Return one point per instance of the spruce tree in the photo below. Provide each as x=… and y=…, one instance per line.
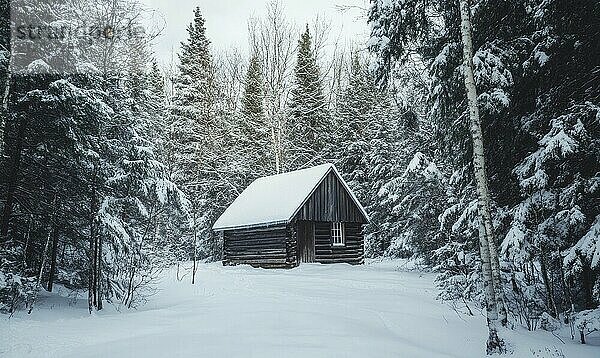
x=195, y=82
x=363, y=143
x=190, y=117
x=253, y=142
x=196, y=132
x=310, y=123
x=252, y=101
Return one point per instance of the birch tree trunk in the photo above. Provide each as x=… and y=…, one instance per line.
x=39, y=280
x=195, y=252
x=496, y=311
x=43, y=264
x=4, y=114
x=93, y=242
x=275, y=150
x=273, y=39
x=6, y=48
x=99, y=275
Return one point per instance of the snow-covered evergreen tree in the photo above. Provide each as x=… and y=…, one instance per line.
x=253, y=141
x=195, y=136
x=92, y=185
x=542, y=181
x=309, y=126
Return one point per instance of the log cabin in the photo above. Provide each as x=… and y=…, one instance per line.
x=280, y=221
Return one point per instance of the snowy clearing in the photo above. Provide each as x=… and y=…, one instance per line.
x=375, y=310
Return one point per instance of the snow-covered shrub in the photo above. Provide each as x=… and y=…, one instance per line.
x=413, y=201
x=15, y=291
x=525, y=299
x=458, y=278
x=549, y=323
x=400, y=246
x=16, y=288
x=587, y=322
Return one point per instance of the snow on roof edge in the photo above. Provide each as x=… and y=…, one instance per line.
x=329, y=167
x=250, y=226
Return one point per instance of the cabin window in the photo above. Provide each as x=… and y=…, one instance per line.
x=338, y=235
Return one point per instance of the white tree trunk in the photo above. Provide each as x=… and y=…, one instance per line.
x=194, y=267
x=496, y=312
x=4, y=111
x=39, y=280
x=275, y=147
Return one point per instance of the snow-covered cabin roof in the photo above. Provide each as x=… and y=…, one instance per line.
x=276, y=199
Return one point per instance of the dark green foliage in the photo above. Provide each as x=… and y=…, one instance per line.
x=83, y=187
x=538, y=98
x=253, y=138
x=310, y=120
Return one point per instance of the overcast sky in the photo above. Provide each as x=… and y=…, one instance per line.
x=226, y=20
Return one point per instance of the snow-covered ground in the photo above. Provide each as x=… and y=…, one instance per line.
x=375, y=310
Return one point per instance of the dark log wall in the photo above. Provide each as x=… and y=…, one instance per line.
x=352, y=252
x=261, y=247
x=331, y=202
x=277, y=247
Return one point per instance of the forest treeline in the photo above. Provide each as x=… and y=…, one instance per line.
x=118, y=167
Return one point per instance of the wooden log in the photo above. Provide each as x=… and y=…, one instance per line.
x=260, y=261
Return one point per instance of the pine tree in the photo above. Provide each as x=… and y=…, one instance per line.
x=197, y=131
x=309, y=124
x=83, y=154
x=191, y=117
x=381, y=166
x=252, y=101
x=195, y=81
x=354, y=119
x=364, y=143
x=253, y=141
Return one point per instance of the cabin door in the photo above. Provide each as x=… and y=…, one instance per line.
x=306, y=241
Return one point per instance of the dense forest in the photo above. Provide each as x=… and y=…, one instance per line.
x=114, y=167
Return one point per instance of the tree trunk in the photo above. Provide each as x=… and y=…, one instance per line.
x=93, y=240
x=13, y=169
x=547, y=284
x=194, y=258
x=99, y=275
x=53, y=255
x=489, y=251
x=62, y=255
x=27, y=239
x=494, y=343
x=587, y=280
x=39, y=280
x=92, y=274
x=275, y=150
x=567, y=298
x=4, y=110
